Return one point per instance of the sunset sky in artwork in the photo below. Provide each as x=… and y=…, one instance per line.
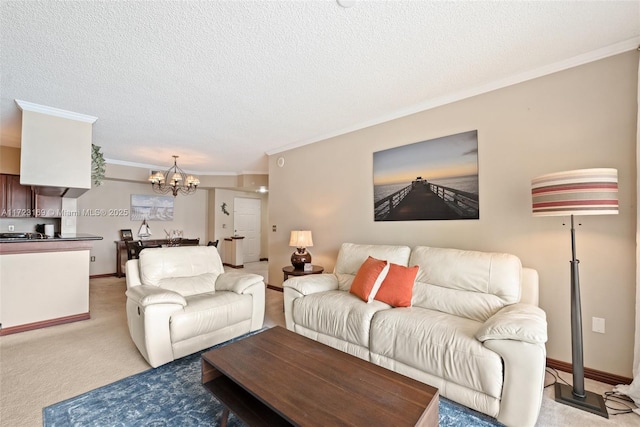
x=445, y=157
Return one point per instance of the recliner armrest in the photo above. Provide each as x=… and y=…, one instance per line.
x=132, y=270
x=237, y=282
x=146, y=295
x=521, y=322
x=312, y=284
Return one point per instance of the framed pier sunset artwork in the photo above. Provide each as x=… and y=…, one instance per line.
x=435, y=179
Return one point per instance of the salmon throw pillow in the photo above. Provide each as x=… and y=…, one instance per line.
x=369, y=278
x=397, y=287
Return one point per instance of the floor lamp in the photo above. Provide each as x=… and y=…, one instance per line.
x=576, y=192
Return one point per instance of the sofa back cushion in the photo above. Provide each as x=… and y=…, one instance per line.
x=187, y=270
x=352, y=256
x=468, y=284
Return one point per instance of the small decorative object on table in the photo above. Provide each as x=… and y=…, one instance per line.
x=126, y=234
x=173, y=237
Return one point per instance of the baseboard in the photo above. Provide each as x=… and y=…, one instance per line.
x=44, y=324
x=275, y=288
x=233, y=266
x=100, y=276
x=592, y=374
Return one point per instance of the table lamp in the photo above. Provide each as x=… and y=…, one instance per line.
x=301, y=240
x=576, y=192
x=144, y=231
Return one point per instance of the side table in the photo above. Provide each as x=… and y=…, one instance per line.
x=291, y=271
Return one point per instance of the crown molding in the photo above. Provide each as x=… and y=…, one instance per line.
x=165, y=167
x=52, y=111
x=595, y=55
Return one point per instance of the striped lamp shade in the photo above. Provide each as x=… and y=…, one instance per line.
x=576, y=192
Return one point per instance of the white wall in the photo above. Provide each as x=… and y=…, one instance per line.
x=579, y=118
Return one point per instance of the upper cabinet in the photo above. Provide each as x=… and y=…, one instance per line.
x=16, y=199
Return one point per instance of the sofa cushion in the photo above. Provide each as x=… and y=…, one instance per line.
x=439, y=344
x=397, y=287
x=351, y=256
x=369, y=278
x=209, y=312
x=469, y=284
x=338, y=314
x=157, y=264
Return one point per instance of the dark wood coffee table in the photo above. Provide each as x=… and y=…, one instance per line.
x=278, y=377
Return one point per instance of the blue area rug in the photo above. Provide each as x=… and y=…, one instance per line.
x=173, y=396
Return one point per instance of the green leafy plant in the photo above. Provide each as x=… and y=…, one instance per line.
x=98, y=167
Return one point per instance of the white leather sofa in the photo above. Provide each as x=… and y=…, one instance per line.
x=180, y=301
x=473, y=329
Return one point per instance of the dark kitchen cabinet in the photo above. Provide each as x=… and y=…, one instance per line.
x=47, y=206
x=16, y=199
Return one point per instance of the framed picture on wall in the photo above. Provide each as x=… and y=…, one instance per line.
x=151, y=208
x=126, y=235
x=434, y=179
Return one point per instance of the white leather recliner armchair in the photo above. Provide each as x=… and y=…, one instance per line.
x=180, y=301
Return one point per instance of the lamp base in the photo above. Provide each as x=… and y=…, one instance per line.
x=592, y=402
x=299, y=258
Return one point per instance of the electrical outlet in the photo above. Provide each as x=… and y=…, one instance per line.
x=11, y=228
x=597, y=325
x=93, y=259
x=274, y=228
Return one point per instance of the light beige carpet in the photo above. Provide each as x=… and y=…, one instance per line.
x=42, y=367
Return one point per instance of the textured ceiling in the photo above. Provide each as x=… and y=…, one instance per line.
x=221, y=83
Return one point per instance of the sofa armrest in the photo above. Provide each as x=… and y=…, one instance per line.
x=300, y=286
x=520, y=322
x=517, y=333
x=524, y=370
x=312, y=284
x=145, y=295
x=237, y=282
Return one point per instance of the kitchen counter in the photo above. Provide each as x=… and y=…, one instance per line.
x=44, y=282
x=65, y=242
x=75, y=236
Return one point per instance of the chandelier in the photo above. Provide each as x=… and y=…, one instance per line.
x=174, y=181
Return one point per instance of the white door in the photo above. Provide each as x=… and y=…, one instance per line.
x=246, y=214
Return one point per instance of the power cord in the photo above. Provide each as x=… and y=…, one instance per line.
x=624, y=404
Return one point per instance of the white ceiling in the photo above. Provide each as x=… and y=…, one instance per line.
x=221, y=83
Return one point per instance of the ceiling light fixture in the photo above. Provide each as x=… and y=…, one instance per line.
x=174, y=181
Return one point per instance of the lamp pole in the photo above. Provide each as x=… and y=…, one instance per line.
x=576, y=322
x=576, y=396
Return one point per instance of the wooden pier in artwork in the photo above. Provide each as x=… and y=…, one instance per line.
x=422, y=200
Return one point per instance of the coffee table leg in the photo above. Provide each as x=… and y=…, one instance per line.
x=225, y=417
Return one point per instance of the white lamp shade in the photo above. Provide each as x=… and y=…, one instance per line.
x=576, y=192
x=301, y=239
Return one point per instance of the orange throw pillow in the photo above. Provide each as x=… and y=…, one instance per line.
x=397, y=288
x=369, y=278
